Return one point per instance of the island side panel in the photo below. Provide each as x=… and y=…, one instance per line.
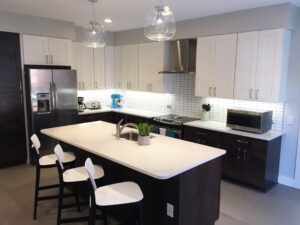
x=200, y=194
x=192, y=193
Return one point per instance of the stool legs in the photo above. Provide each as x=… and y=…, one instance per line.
x=36, y=192
x=60, y=203
x=77, y=198
x=141, y=221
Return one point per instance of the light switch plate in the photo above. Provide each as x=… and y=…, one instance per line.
x=290, y=120
x=170, y=210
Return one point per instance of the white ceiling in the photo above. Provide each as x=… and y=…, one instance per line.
x=127, y=14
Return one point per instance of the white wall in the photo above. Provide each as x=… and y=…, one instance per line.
x=247, y=20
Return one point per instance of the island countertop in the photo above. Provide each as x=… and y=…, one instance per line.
x=164, y=158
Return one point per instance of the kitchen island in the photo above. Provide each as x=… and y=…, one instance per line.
x=180, y=180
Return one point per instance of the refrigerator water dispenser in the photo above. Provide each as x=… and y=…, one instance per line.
x=43, y=103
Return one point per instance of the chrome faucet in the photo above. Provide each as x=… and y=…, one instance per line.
x=119, y=129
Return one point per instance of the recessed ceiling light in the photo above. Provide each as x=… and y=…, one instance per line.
x=107, y=20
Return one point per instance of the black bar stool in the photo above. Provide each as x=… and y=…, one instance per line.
x=72, y=177
x=124, y=193
x=44, y=162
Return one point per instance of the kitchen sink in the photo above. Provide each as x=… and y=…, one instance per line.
x=131, y=136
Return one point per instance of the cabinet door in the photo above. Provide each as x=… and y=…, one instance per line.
x=109, y=67
x=76, y=63
x=254, y=162
x=144, y=67
x=246, y=63
x=205, y=66
x=233, y=160
x=86, y=67
x=118, y=67
x=224, y=68
x=99, y=68
x=60, y=51
x=157, y=58
x=35, y=50
x=272, y=65
x=130, y=71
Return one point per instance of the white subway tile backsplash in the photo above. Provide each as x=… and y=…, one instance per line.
x=183, y=101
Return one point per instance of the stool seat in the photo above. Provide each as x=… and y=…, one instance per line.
x=118, y=194
x=49, y=160
x=79, y=174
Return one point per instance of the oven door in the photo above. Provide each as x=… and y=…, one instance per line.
x=168, y=131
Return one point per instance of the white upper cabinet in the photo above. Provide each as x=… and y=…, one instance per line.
x=35, y=50
x=99, y=68
x=144, y=67
x=86, y=67
x=47, y=51
x=246, y=63
x=118, y=67
x=76, y=63
x=261, y=68
x=151, y=58
x=130, y=67
x=60, y=51
x=215, y=66
x=109, y=67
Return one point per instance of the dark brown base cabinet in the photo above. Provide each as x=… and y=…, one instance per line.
x=112, y=117
x=247, y=160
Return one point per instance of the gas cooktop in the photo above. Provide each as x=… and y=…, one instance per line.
x=174, y=119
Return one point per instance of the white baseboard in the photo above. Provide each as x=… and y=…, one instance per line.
x=288, y=181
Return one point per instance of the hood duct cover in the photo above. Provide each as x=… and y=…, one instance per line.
x=180, y=56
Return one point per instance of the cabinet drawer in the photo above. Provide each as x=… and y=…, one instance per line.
x=202, y=136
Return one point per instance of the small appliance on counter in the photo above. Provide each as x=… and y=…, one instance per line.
x=116, y=101
x=93, y=105
x=251, y=121
x=81, y=105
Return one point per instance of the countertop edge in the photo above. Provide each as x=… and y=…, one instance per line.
x=239, y=133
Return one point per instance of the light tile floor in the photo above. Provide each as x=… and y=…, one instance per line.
x=239, y=205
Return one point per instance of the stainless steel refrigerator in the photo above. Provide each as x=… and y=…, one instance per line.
x=53, y=101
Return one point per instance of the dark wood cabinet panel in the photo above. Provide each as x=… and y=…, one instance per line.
x=247, y=160
x=12, y=120
x=202, y=136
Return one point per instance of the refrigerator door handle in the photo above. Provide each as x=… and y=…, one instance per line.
x=55, y=95
x=52, y=96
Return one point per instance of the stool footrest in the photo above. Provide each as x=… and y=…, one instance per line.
x=79, y=219
x=49, y=187
x=47, y=197
x=71, y=205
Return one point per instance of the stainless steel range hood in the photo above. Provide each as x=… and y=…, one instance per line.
x=180, y=56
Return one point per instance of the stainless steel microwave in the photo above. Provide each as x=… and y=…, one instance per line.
x=257, y=122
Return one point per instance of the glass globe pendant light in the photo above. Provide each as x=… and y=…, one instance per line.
x=160, y=24
x=94, y=33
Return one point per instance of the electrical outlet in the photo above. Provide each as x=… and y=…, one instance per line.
x=170, y=210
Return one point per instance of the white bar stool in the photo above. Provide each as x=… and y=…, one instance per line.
x=72, y=177
x=47, y=161
x=124, y=193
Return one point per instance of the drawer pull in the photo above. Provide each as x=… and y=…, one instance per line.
x=245, y=152
x=242, y=141
x=201, y=133
x=239, y=155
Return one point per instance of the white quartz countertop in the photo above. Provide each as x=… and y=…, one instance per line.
x=221, y=127
x=130, y=111
x=164, y=158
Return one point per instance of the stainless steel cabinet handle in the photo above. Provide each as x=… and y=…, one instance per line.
x=120, y=84
x=242, y=141
x=201, y=133
x=83, y=85
x=147, y=87
x=79, y=85
x=209, y=91
x=46, y=59
x=21, y=97
x=51, y=57
x=20, y=86
x=239, y=156
x=151, y=87
x=215, y=91
x=256, y=94
x=245, y=152
x=250, y=93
